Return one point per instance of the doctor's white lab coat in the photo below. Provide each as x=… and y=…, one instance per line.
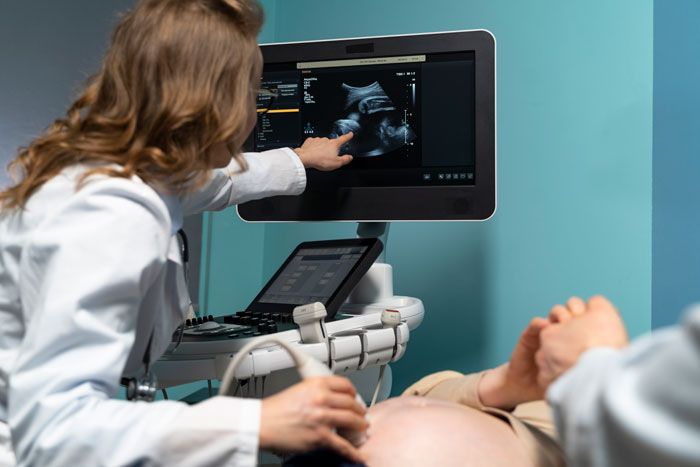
x=85, y=277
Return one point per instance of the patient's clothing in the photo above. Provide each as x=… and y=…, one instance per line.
x=531, y=422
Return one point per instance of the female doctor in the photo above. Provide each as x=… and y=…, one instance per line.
x=90, y=272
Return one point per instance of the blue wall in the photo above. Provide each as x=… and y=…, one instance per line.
x=574, y=168
x=676, y=222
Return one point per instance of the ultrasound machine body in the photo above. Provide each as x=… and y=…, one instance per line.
x=422, y=108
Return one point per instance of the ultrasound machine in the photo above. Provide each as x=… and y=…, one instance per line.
x=422, y=109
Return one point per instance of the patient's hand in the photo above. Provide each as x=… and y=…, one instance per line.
x=515, y=382
x=577, y=328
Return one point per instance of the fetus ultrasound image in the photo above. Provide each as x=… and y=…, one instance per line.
x=378, y=107
x=379, y=127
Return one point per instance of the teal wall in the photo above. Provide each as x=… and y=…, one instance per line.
x=574, y=121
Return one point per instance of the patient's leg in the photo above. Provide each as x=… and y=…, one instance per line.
x=416, y=431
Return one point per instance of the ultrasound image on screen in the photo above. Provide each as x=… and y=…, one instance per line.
x=378, y=125
x=378, y=105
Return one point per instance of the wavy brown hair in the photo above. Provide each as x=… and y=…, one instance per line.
x=174, y=83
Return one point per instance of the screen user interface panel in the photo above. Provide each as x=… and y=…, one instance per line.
x=313, y=275
x=412, y=117
x=323, y=271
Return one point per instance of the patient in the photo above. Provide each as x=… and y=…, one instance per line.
x=418, y=431
x=483, y=419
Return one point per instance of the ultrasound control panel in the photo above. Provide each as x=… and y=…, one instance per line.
x=242, y=324
x=324, y=271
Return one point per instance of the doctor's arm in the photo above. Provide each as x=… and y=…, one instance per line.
x=617, y=405
x=83, y=277
x=269, y=173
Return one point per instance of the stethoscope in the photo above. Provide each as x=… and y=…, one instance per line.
x=145, y=386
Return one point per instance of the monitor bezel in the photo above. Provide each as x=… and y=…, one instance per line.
x=414, y=203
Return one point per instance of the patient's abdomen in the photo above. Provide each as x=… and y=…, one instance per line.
x=415, y=431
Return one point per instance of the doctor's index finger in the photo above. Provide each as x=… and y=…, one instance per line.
x=342, y=139
x=344, y=401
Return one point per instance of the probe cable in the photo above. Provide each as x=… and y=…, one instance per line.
x=379, y=384
x=306, y=366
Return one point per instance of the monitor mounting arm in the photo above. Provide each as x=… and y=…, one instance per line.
x=378, y=283
x=378, y=230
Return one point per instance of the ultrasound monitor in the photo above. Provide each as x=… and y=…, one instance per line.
x=422, y=110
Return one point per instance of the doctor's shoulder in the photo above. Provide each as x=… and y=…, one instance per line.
x=92, y=193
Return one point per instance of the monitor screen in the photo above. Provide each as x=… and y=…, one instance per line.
x=421, y=108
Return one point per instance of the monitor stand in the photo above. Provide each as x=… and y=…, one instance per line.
x=375, y=292
x=378, y=283
x=378, y=230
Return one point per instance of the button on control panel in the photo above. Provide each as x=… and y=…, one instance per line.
x=242, y=324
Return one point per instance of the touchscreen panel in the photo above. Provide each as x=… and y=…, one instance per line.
x=313, y=275
x=324, y=271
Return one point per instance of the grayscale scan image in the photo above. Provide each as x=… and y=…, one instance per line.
x=379, y=127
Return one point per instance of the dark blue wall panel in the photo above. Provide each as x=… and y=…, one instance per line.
x=676, y=160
